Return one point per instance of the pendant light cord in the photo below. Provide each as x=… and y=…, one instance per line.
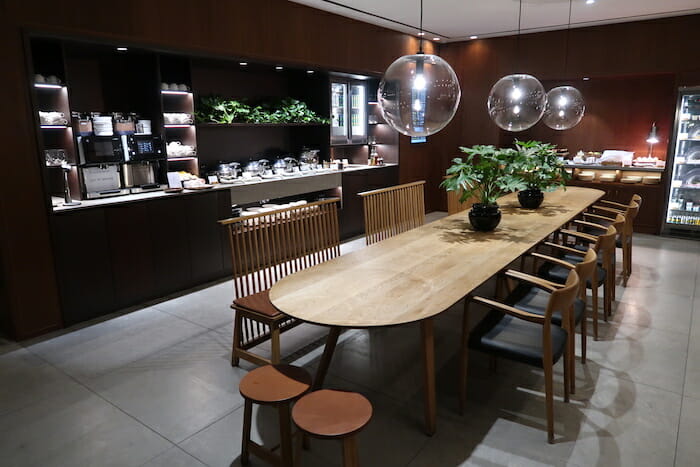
x=517, y=43
x=420, y=44
x=568, y=29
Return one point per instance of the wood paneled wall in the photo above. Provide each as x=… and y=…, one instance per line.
x=270, y=31
x=634, y=68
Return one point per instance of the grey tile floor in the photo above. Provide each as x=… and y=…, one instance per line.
x=154, y=387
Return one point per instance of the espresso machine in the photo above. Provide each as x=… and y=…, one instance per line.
x=143, y=162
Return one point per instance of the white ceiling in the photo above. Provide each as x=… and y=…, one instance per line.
x=455, y=20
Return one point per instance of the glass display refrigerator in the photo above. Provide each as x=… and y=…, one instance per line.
x=348, y=112
x=682, y=215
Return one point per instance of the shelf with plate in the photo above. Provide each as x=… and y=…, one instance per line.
x=615, y=167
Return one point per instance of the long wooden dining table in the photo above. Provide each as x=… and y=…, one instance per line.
x=419, y=274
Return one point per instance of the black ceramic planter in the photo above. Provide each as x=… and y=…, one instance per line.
x=531, y=199
x=484, y=217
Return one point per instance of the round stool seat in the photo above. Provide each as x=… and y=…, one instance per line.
x=275, y=383
x=332, y=414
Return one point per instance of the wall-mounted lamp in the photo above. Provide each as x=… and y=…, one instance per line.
x=652, y=139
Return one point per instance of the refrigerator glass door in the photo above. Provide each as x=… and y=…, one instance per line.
x=358, y=114
x=683, y=210
x=339, y=113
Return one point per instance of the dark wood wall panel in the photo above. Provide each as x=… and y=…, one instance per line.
x=266, y=30
x=634, y=69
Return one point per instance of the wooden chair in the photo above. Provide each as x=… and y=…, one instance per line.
x=529, y=298
x=604, y=246
x=330, y=414
x=278, y=386
x=266, y=247
x=453, y=204
x=630, y=211
x=391, y=211
x=525, y=337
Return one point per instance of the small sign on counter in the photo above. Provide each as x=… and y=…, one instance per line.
x=174, y=180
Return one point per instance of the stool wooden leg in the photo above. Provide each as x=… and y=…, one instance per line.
x=285, y=421
x=247, y=421
x=350, y=458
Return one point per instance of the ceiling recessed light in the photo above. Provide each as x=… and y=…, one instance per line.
x=436, y=38
x=421, y=33
x=122, y=49
x=590, y=2
x=473, y=37
x=278, y=68
x=243, y=63
x=586, y=78
x=309, y=72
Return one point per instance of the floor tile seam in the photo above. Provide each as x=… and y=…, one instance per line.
x=187, y=320
x=101, y=397
x=217, y=420
x=61, y=370
x=614, y=374
x=176, y=446
x=685, y=374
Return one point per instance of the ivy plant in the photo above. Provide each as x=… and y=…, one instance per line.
x=483, y=173
x=215, y=109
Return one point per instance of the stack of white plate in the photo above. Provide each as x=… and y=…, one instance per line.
x=651, y=180
x=586, y=176
x=607, y=177
x=631, y=179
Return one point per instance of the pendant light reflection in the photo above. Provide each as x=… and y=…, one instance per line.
x=565, y=108
x=516, y=102
x=419, y=94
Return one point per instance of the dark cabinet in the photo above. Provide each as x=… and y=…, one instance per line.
x=649, y=218
x=204, y=233
x=84, y=273
x=352, y=215
x=170, y=246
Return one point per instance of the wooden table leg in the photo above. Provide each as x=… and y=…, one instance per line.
x=325, y=362
x=428, y=344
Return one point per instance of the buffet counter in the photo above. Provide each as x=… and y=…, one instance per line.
x=241, y=193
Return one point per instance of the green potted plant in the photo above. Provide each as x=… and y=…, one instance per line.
x=537, y=166
x=483, y=173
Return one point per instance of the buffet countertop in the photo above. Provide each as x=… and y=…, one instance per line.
x=241, y=193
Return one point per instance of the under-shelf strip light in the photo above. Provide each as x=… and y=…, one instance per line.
x=179, y=93
x=48, y=86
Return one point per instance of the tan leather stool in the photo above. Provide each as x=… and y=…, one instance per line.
x=333, y=414
x=276, y=385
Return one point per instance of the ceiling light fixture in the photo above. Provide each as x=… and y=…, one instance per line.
x=590, y=2
x=243, y=63
x=565, y=104
x=586, y=78
x=122, y=49
x=421, y=33
x=516, y=102
x=436, y=38
x=473, y=37
x=278, y=68
x=309, y=72
x=419, y=94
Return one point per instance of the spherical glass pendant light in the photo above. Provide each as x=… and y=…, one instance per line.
x=516, y=102
x=419, y=94
x=565, y=108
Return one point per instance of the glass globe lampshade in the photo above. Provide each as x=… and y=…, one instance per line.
x=516, y=102
x=565, y=108
x=419, y=94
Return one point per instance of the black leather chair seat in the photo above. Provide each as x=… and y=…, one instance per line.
x=515, y=339
x=591, y=231
x=534, y=300
x=558, y=274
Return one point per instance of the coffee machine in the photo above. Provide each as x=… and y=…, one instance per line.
x=143, y=161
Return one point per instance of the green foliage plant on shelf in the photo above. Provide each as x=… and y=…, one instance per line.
x=537, y=166
x=215, y=109
x=483, y=173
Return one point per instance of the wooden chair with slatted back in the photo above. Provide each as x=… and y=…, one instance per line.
x=265, y=248
x=393, y=210
x=526, y=337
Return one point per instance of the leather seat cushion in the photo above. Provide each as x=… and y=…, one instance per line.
x=558, y=274
x=259, y=303
x=515, y=339
x=534, y=300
